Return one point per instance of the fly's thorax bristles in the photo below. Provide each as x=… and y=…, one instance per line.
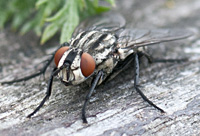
x=90, y=41
x=82, y=41
x=75, y=40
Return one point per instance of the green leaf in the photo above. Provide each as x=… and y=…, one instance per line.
x=40, y=2
x=102, y=9
x=38, y=30
x=81, y=4
x=48, y=15
x=49, y=32
x=4, y=16
x=57, y=15
x=26, y=28
x=96, y=3
x=17, y=21
x=51, y=7
x=70, y=23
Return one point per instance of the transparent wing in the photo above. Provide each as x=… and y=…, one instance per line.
x=109, y=22
x=129, y=38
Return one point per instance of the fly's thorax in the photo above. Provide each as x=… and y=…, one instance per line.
x=93, y=41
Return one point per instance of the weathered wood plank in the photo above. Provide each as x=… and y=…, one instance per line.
x=116, y=109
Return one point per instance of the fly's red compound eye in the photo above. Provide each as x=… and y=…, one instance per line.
x=87, y=64
x=59, y=54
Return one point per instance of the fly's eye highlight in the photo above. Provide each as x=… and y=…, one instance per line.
x=59, y=53
x=87, y=64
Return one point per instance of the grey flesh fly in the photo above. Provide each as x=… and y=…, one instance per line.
x=100, y=48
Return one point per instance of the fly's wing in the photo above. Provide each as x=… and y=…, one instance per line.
x=134, y=38
x=108, y=22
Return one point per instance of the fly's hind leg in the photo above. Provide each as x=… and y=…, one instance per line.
x=136, y=84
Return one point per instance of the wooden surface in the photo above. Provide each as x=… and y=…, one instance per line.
x=116, y=109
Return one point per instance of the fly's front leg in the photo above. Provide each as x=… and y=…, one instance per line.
x=136, y=83
x=42, y=71
x=48, y=93
x=94, y=84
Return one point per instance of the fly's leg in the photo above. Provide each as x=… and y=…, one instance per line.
x=49, y=88
x=48, y=93
x=94, y=84
x=136, y=84
x=42, y=71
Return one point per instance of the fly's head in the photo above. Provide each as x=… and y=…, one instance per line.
x=76, y=66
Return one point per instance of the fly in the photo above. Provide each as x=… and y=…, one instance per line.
x=100, y=49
